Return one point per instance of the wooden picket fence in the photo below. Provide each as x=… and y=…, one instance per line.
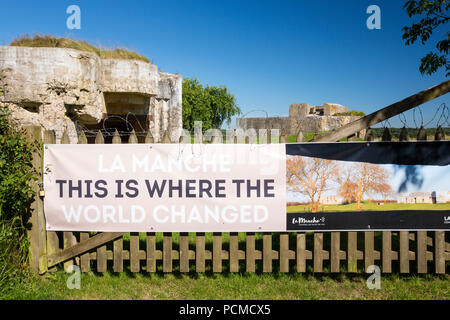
x=332, y=252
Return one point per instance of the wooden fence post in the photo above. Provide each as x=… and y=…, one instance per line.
x=37, y=234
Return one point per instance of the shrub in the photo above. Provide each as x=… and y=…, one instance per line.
x=16, y=194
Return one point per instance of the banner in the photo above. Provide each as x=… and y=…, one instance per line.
x=368, y=186
x=165, y=187
x=241, y=187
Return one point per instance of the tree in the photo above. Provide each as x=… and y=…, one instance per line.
x=348, y=190
x=311, y=177
x=385, y=190
x=368, y=179
x=211, y=105
x=434, y=13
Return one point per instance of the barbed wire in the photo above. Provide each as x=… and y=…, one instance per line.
x=440, y=117
x=132, y=122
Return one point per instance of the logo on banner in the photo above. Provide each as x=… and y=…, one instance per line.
x=315, y=221
x=447, y=220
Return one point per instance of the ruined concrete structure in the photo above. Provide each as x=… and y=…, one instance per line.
x=60, y=88
x=424, y=197
x=302, y=117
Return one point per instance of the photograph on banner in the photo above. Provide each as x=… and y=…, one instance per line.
x=333, y=195
x=165, y=187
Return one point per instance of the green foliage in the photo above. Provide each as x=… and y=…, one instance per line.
x=16, y=195
x=13, y=254
x=434, y=13
x=16, y=171
x=211, y=105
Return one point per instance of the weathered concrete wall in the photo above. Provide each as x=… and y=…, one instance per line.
x=54, y=87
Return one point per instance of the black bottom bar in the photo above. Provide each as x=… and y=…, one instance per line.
x=369, y=220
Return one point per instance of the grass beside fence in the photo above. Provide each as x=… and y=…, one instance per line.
x=369, y=206
x=232, y=286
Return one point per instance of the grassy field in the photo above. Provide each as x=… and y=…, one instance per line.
x=231, y=286
x=367, y=206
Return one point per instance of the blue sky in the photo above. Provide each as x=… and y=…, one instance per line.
x=270, y=54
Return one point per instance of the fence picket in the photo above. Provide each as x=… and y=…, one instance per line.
x=167, y=252
x=151, y=252
x=318, y=252
x=200, y=254
x=250, y=258
x=387, y=251
x=184, y=252
x=234, y=252
x=217, y=252
x=335, y=255
x=421, y=256
x=267, y=252
x=301, y=252
x=369, y=245
x=404, y=252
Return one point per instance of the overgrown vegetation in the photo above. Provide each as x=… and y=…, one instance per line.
x=16, y=195
x=49, y=41
x=351, y=113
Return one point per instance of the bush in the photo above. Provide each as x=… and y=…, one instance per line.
x=16, y=194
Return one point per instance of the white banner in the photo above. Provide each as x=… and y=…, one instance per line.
x=165, y=187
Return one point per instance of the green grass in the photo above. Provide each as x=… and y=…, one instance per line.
x=367, y=206
x=125, y=286
x=49, y=41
